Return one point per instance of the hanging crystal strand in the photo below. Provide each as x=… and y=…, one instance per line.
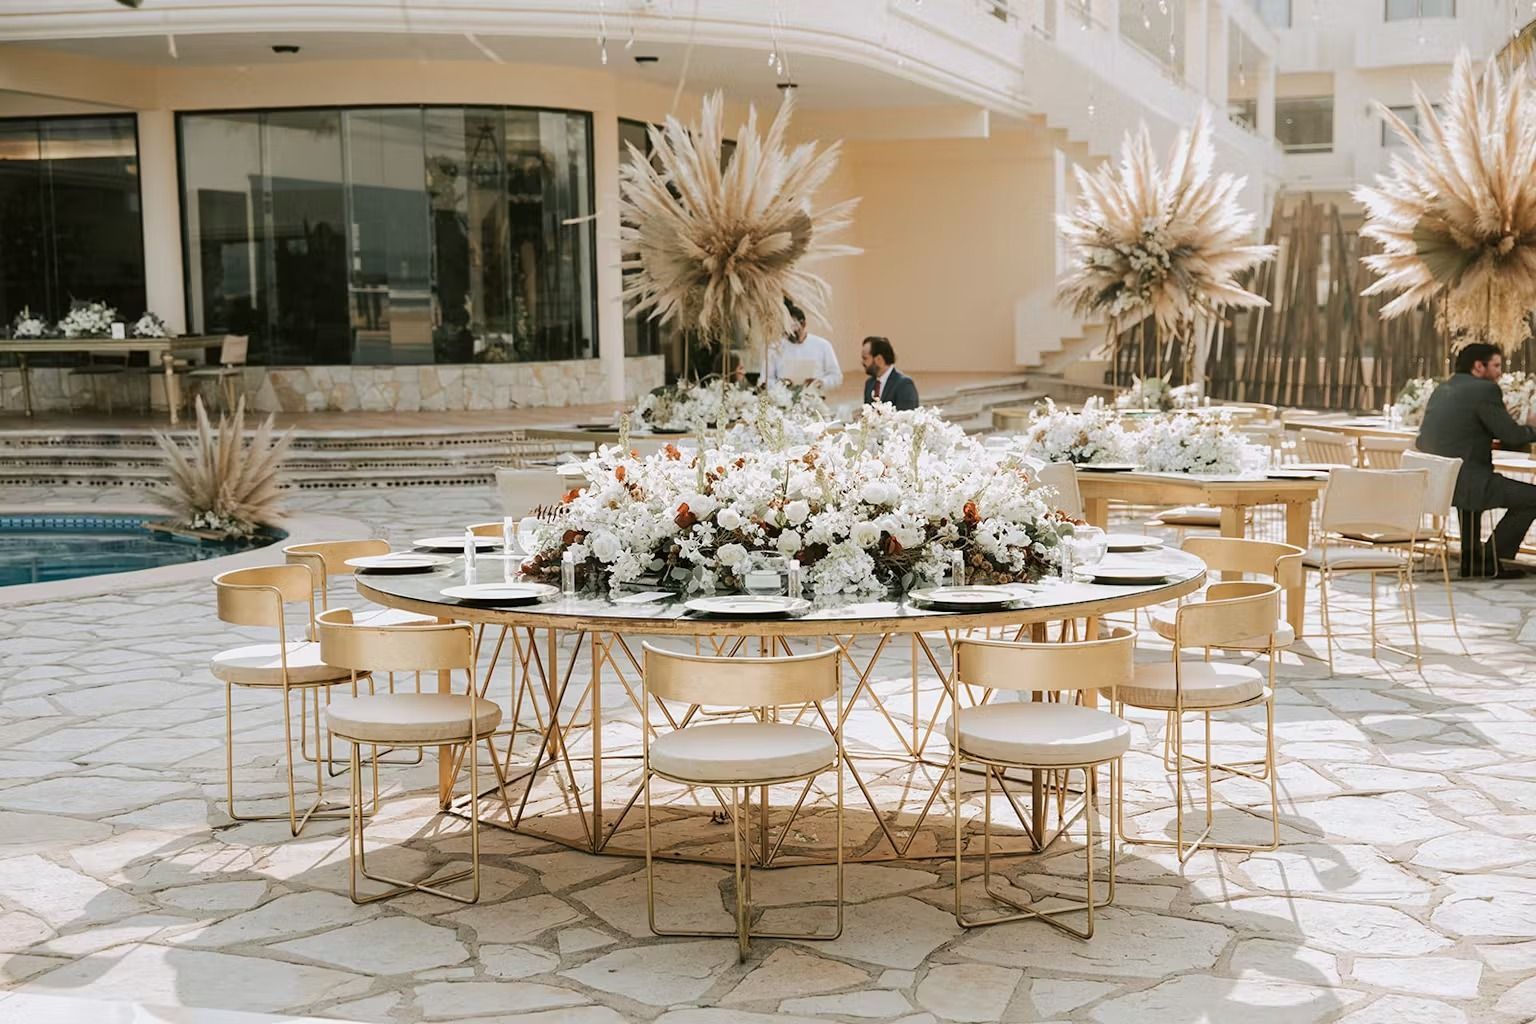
x=602, y=32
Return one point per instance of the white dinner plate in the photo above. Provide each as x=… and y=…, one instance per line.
x=1132, y=542
x=1128, y=574
x=748, y=605
x=399, y=561
x=455, y=543
x=978, y=597
x=501, y=593
x=1106, y=467
x=1291, y=473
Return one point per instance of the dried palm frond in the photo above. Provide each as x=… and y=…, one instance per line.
x=719, y=247
x=226, y=484
x=1457, y=216
x=1166, y=242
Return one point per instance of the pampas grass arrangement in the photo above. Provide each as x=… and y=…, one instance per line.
x=717, y=248
x=1166, y=242
x=226, y=485
x=1456, y=216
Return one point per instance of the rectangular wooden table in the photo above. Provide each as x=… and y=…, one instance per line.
x=162, y=350
x=1233, y=496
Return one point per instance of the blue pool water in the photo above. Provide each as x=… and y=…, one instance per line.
x=41, y=548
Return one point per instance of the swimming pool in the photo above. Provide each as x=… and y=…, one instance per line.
x=42, y=548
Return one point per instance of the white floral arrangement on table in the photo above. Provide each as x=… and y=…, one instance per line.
x=1184, y=443
x=702, y=405
x=88, y=320
x=1413, y=400
x=1091, y=435
x=1519, y=394
x=875, y=507
x=28, y=325
x=1155, y=393
x=148, y=326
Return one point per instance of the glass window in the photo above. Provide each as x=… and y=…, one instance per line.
x=1410, y=117
x=1304, y=124
x=392, y=235
x=1244, y=112
x=1274, y=13
x=69, y=216
x=1408, y=10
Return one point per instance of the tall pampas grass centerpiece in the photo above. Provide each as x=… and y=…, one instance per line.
x=1456, y=216
x=717, y=246
x=1161, y=241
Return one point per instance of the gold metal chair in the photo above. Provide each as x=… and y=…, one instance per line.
x=259, y=597
x=1059, y=736
x=1240, y=557
x=329, y=558
x=1325, y=447
x=1061, y=477
x=1439, y=494
x=228, y=370
x=1233, y=615
x=740, y=756
x=458, y=720
x=1371, y=521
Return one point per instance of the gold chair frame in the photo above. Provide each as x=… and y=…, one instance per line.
x=763, y=685
x=1109, y=661
x=259, y=596
x=1231, y=615
x=436, y=647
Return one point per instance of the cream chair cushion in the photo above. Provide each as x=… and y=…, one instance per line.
x=409, y=718
x=1205, y=684
x=1035, y=733
x=261, y=665
x=1340, y=556
x=742, y=751
x=1191, y=515
x=1284, y=635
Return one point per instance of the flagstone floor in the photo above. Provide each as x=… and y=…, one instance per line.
x=1402, y=893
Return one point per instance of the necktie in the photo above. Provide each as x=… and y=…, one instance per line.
x=876, y=395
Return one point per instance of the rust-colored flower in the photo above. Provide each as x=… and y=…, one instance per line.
x=618, y=473
x=684, y=518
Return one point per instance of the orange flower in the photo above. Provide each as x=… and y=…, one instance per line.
x=672, y=453
x=618, y=473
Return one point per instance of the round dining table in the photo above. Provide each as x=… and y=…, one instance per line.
x=577, y=780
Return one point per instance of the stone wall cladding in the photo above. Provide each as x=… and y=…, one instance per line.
x=361, y=388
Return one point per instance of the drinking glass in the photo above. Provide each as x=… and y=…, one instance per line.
x=1089, y=545
x=765, y=574
x=526, y=527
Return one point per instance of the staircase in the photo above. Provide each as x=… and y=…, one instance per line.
x=338, y=460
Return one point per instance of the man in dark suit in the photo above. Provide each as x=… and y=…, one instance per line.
x=1465, y=415
x=885, y=383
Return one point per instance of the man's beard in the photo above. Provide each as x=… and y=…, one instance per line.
x=871, y=370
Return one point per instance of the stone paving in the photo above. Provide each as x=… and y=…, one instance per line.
x=1402, y=891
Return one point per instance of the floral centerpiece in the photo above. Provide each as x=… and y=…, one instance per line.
x=877, y=506
x=1185, y=443
x=1456, y=214
x=148, y=326
x=1092, y=435
x=695, y=406
x=28, y=325
x=88, y=320
x=1519, y=394
x=1413, y=400
x=1165, y=242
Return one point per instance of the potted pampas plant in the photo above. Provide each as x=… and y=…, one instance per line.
x=226, y=489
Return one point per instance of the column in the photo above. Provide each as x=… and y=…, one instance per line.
x=1196, y=44
x=610, y=307
x=160, y=189
x=1220, y=59
x=1266, y=102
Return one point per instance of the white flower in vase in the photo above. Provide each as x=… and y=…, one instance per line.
x=148, y=326
x=88, y=320
x=28, y=325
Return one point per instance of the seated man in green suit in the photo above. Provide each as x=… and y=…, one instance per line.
x=1465, y=415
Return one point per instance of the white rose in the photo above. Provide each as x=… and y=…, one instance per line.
x=728, y=519
x=796, y=512
x=605, y=546
x=864, y=534
x=731, y=554
x=878, y=492
x=790, y=543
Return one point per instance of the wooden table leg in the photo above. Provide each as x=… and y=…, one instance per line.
x=26, y=382
x=1298, y=531
x=1096, y=511
x=1233, y=524
x=172, y=389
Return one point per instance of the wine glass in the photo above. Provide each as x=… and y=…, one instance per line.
x=526, y=527
x=765, y=574
x=1088, y=545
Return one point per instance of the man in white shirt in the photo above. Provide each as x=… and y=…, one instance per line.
x=801, y=357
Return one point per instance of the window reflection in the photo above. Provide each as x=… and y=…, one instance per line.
x=69, y=216
x=393, y=235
